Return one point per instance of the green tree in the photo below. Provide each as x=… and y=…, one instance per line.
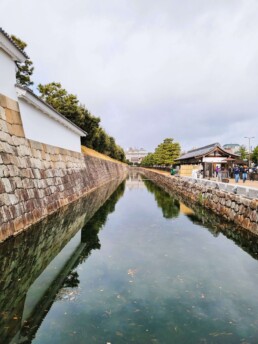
x=70, y=107
x=101, y=141
x=148, y=160
x=90, y=124
x=25, y=70
x=254, y=156
x=166, y=152
x=243, y=152
x=65, y=103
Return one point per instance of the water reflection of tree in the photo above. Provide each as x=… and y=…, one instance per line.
x=213, y=223
x=170, y=206
x=71, y=280
x=217, y=225
x=96, y=223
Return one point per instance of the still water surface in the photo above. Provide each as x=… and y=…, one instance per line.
x=148, y=269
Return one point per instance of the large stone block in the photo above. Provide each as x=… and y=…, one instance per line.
x=8, y=103
x=7, y=185
x=5, y=137
x=3, y=126
x=17, y=130
x=252, y=193
x=19, y=223
x=242, y=191
x=2, y=113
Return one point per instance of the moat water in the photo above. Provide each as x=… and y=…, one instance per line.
x=146, y=268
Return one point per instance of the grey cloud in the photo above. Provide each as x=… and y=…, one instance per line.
x=150, y=70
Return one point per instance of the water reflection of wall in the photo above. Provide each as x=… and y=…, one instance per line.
x=25, y=257
x=215, y=224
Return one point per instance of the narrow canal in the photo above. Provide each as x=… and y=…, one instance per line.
x=146, y=268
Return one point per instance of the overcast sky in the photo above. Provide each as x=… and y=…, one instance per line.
x=186, y=69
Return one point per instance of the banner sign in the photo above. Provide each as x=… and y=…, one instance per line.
x=214, y=159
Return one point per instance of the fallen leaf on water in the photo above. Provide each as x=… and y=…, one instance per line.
x=120, y=334
x=131, y=272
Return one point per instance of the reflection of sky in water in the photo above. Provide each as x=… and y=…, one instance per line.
x=156, y=280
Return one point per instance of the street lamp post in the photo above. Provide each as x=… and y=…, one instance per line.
x=249, y=148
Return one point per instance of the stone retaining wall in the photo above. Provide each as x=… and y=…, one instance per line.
x=238, y=209
x=37, y=179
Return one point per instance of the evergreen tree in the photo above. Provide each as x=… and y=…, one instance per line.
x=166, y=152
x=25, y=70
x=65, y=103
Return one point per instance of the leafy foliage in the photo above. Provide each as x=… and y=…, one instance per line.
x=148, y=160
x=254, y=155
x=169, y=205
x=25, y=70
x=165, y=154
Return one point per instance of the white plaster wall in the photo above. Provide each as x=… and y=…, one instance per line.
x=7, y=76
x=40, y=127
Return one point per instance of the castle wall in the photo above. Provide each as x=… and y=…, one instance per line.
x=36, y=179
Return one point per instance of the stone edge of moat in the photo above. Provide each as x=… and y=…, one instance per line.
x=237, y=189
x=236, y=208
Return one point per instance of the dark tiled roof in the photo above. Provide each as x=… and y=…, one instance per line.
x=16, y=46
x=199, y=151
x=49, y=106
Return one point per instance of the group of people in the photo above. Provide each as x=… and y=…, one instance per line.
x=238, y=170
x=245, y=171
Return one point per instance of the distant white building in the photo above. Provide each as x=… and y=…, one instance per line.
x=135, y=155
x=232, y=148
x=40, y=121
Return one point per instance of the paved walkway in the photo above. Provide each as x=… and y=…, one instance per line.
x=247, y=183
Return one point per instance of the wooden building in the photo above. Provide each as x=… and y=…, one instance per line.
x=206, y=159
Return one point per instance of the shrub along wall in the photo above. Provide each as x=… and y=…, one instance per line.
x=37, y=179
x=240, y=210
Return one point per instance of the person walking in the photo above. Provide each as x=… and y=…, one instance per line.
x=219, y=175
x=251, y=174
x=236, y=171
x=244, y=173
